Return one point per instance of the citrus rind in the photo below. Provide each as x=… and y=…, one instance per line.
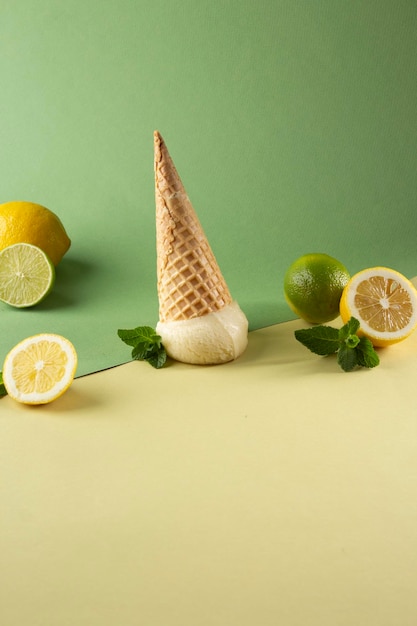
x=40, y=368
x=27, y=275
x=385, y=303
x=313, y=286
x=22, y=221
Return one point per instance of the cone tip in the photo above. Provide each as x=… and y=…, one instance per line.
x=157, y=147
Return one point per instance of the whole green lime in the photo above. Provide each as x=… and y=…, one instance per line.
x=313, y=286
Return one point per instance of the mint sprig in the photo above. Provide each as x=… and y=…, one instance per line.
x=352, y=351
x=146, y=343
x=3, y=390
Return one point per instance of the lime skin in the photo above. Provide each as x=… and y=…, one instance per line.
x=313, y=287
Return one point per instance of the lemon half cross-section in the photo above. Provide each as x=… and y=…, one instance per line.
x=40, y=368
x=385, y=303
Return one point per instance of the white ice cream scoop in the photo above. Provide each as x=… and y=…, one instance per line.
x=213, y=338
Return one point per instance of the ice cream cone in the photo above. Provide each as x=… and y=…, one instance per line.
x=190, y=283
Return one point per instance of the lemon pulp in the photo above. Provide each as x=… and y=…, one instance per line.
x=385, y=303
x=40, y=368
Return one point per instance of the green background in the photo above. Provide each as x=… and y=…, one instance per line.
x=292, y=125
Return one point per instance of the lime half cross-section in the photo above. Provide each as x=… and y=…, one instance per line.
x=27, y=275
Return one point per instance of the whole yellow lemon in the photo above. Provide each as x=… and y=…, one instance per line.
x=27, y=222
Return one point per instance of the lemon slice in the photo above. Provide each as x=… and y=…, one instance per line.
x=385, y=303
x=27, y=275
x=39, y=369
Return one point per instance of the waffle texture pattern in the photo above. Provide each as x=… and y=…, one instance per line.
x=190, y=283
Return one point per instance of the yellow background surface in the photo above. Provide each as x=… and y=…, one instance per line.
x=276, y=489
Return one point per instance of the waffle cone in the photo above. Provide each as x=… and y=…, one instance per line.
x=190, y=283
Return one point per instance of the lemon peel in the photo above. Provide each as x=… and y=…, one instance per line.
x=39, y=369
x=28, y=222
x=385, y=303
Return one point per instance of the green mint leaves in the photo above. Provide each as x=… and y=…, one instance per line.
x=146, y=345
x=3, y=391
x=352, y=351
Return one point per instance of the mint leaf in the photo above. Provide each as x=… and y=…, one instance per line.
x=347, y=358
x=351, y=341
x=350, y=328
x=3, y=391
x=141, y=334
x=352, y=351
x=158, y=358
x=367, y=357
x=142, y=351
x=322, y=340
x=146, y=343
